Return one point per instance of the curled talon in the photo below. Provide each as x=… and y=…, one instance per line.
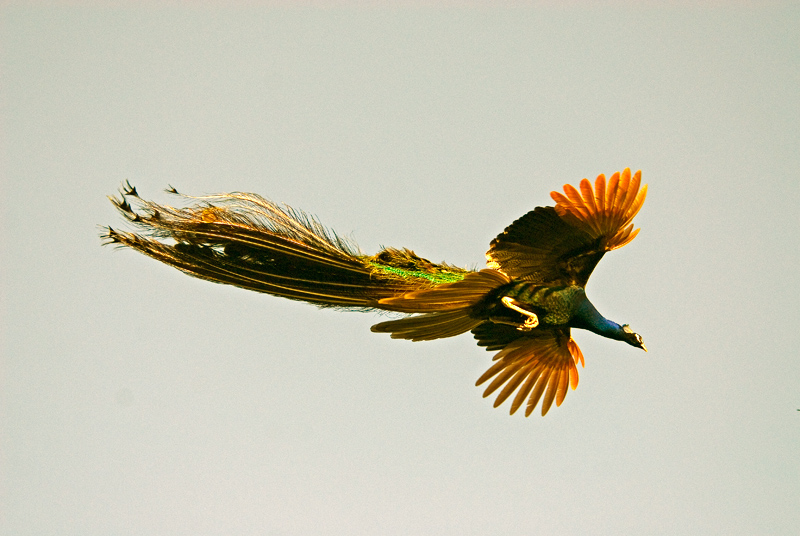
x=531, y=322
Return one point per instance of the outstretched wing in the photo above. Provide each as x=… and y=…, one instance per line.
x=537, y=364
x=563, y=244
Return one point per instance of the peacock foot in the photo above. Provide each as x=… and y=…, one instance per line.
x=531, y=322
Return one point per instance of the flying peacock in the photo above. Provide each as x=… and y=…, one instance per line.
x=524, y=303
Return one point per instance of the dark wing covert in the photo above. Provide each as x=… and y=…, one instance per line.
x=563, y=244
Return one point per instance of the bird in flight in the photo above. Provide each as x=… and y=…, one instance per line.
x=524, y=303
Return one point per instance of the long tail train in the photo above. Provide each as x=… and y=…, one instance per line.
x=244, y=240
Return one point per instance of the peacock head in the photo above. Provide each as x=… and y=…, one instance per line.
x=634, y=339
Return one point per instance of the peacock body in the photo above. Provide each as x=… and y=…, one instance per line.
x=524, y=303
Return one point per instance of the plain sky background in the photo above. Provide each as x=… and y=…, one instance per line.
x=136, y=400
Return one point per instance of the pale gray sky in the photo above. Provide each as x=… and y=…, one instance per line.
x=136, y=400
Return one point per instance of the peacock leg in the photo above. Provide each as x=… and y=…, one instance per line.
x=531, y=322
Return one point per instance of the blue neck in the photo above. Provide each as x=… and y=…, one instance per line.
x=587, y=317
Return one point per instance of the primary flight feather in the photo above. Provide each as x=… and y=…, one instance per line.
x=524, y=303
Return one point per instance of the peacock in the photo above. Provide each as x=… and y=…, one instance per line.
x=523, y=305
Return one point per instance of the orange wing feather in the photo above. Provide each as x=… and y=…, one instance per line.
x=534, y=367
x=607, y=211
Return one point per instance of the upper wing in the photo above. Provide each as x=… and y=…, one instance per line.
x=564, y=243
x=539, y=363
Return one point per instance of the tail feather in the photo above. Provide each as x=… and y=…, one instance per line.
x=247, y=241
x=450, y=296
x=447, y=310
x=429, y=326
